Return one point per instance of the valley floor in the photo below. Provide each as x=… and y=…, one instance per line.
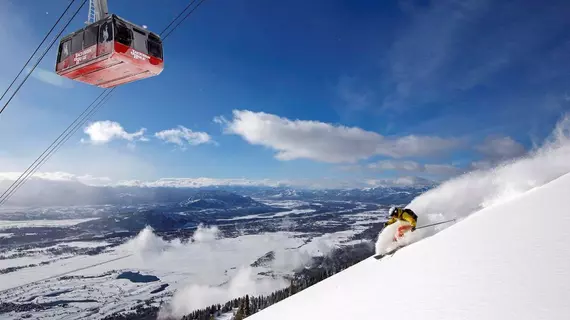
x=56, y=282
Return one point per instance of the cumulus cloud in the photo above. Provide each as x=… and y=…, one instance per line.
x=182, y=136
x=102, y=132
x=500, y=148
x=412, y=166
x=319, y=141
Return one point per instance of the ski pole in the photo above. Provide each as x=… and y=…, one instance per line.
x=435, y=224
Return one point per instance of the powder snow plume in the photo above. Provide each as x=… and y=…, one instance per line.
x=147, y=243
x=206, y=234
x=473, y=191
x=461, y=196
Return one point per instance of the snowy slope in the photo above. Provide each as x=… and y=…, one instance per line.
x=510, y=260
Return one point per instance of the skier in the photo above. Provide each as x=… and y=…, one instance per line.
x=408, y=220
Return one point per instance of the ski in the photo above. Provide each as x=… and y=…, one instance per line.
x=389, y=253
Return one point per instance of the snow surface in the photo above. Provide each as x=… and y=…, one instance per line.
x=277, y=215
x=510, y=260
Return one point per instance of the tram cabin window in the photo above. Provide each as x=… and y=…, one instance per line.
x=77, y=43
x=123, y=33
x=64, y=50
x=140, y=41
x=90, y=36
x=154, y=46
x=106, y=32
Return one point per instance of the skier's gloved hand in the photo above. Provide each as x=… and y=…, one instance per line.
x=413, y=229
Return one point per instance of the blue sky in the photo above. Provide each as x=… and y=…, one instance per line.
x=317, y=92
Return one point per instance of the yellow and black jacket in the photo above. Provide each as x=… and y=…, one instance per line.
x=404, y=215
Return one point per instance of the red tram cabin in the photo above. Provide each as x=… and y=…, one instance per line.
x=110, y=52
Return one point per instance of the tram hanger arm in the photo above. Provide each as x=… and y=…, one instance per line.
x=101, y=9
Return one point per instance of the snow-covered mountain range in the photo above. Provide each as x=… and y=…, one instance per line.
x=43, y=192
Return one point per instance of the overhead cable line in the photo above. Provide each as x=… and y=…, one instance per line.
x=41, y=57
x=186, y=16
x=178, y=16
x=56, y=144
x=77, y=123
x=37, y=48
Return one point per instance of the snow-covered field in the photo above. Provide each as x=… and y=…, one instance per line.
x=283, y=203
x=210, y=269
x=277, y=215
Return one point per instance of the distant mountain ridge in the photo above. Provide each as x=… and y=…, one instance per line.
x=219, y=199
x=39, y=192
x=202, y=205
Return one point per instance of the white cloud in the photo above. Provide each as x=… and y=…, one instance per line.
x=220, y=120
x=501, y=148
x=408, y=181
x=316, y=183
x=58, y=176
x=102, y=132
x=198, y=182
x=50, y=77
x=481, y=165
x=296, y=139
x=312, y=183
x=396, y=165
x=441, y=169
x=182, y=136
x=413, y=166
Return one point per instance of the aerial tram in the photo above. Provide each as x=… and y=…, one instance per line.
x=109, y=51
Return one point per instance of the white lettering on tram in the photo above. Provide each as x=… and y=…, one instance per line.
x=82, y=55
x=139, y=55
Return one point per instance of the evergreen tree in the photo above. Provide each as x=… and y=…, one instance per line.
x=292, y=289
x=246, y=308
x=239, y=315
